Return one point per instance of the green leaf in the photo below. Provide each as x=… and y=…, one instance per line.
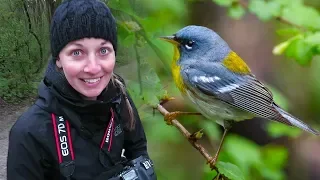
x=123, y=31
x=151, y=86
x=162, y=50
x=287, y=2
x=149, y=25
x=276, y=130
x=129, y=40
x=121, y=5
x=317, y=49
x=225, y=3
x=280, y=48
x=231, y=171
x=243, y=152
x=288, y=31
x=301, y=15
x=272, y=174
x=313, y=39
x=133, y=88
x=150, y=98
x=236, y=11
x=275, y=157
x=165, y=9
x=132, y=26
x=274, y=161
x=301, y=51
x=265, y=10
x=163, y=133
x=208, y=173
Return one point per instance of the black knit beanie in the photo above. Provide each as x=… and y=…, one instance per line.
x=77, y=19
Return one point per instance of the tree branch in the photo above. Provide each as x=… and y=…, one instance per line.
x=186, y=134
x=135, y=46
x=25, y=7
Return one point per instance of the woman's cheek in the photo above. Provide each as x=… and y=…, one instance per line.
x=109, y=66
x=73, y=68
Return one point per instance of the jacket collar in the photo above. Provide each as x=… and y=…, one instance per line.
x=57, y=96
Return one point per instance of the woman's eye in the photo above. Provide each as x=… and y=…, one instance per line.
x=189, y=44
x=103, y=51
x=76, y=53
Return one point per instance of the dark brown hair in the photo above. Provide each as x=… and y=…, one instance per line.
x=117, y=81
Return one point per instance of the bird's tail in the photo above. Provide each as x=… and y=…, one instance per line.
x=295, y=121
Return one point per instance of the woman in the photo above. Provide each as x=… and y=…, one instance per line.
x=83, y=118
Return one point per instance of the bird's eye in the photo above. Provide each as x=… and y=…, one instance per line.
x=189, y=44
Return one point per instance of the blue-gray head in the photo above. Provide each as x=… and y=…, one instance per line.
x=196, y=43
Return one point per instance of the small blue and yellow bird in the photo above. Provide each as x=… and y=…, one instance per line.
x=219, y=83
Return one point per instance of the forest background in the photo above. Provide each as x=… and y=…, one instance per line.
x=279, y=39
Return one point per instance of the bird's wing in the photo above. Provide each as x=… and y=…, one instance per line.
x=243, y=92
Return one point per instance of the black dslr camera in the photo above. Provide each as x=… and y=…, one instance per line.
x=140, y=168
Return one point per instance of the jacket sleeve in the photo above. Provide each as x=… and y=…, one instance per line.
x=135, y=143
x=23, y=161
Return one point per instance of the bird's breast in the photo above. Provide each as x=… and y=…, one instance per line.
x=176, y=71
x=215, y=109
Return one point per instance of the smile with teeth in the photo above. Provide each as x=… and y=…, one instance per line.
x=91, y=81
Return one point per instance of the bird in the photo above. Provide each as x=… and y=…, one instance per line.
x=219, y=83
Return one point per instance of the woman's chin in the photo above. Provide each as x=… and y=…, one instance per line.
x=92, y=95
x=93, y=90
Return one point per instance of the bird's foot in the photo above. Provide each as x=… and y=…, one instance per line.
x=171, y=116
x=196, y=135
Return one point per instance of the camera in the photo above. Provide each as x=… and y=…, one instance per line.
x=140, y=168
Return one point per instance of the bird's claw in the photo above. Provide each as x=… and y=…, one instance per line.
x=170, y=116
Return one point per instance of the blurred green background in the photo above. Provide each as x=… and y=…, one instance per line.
x=279, y=39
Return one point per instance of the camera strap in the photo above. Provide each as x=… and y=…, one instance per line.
x=61, y=129
x=63, y=141
x=106, y=141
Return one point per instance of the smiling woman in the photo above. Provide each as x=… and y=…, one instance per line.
x=84, y=125
x=87, y=65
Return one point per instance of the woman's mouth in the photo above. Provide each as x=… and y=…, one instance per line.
x=91, y=81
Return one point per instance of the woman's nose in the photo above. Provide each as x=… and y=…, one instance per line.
x=93, y=65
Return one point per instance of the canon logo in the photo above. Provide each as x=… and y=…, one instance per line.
x=63, y=138
x=108, y=134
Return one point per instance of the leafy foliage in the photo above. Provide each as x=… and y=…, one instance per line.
x=243, y=159
x=252, y=160
x=145, y=62
x=305, y=21
x=230, y=171
x=20, y=60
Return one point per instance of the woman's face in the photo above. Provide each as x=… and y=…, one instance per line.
x=88, y=65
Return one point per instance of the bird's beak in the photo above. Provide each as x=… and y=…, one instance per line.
x=170, y=39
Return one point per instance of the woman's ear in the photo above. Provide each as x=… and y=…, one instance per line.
x=58, y=63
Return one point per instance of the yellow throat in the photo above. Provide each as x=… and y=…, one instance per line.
x=175, y=68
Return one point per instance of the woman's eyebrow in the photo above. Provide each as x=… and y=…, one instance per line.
x=76, y=44
x=103, y=43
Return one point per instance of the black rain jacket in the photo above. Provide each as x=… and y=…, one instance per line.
x=32, y=153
